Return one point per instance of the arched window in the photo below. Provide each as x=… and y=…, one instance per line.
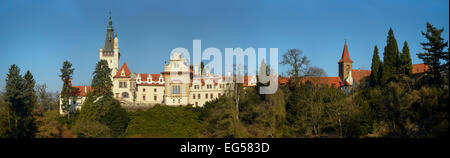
x=125, y=95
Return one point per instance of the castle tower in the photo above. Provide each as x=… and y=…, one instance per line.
x=345, y=66
x=110, y=52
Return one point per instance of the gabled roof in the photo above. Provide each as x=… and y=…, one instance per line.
x=125, y=69
x=345, y=55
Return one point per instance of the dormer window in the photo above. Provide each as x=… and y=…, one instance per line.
x=122, y=73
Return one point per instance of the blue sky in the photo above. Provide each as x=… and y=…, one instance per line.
x=39, y=35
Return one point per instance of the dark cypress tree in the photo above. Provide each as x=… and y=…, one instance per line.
x=66, y=92
x=101, y=82
x=434, y=52
x=202, y=66
x=391, y=59
x=405, y=61
x=376, y=66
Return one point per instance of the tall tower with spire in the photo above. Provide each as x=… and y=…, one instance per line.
x=345, y=66
x=110, y=51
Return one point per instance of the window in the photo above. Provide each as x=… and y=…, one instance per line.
x=154, y=90
x=143, y=97
x=196, y=103
x=212, y=96
x=154, y=97
x=122, y=84
x=125, y=95
x=193, y=96
x=198, y=96
x=175, y=89
x=206, y=96
x=173, y=100
x=178, y=100
x=143, y=89
x=122, y=73
x=117, y=95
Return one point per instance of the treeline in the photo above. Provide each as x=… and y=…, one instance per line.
x=396, y=103
x=403, y=104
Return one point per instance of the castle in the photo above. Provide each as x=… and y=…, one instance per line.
x=140, y=89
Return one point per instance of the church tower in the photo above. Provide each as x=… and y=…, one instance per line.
x=110, y=51
x=345, y=66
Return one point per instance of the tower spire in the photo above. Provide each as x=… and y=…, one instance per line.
x=109, y=41
x=345, y=55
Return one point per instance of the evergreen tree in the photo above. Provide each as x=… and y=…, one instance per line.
x=434, y=52
x=101, y=83
x=405, y=61
x=391, y=59
x=30, y=93
x=100, y=104
x=19, y=101
x=66, y=93
x=264, y=70
x=202, y=66
x=376, y=66
x=30, y=103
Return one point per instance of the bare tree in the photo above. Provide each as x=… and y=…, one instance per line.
x=315, y=72
x=299, y=63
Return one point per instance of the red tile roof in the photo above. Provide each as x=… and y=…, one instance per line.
x=345, y=55
x=144, y=79
x=155, y=77
x=419, y=68
x=246, y=80
x=124, y=68
x=81, y=91
x=359, y=75
x=334, y=82
x=283, y=80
